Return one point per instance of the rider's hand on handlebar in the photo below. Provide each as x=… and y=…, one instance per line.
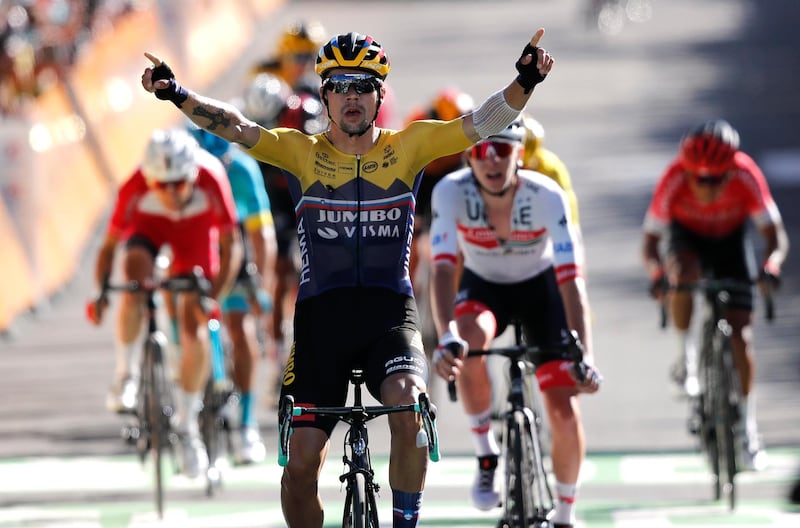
x=590, y=379
x=95, y=309
x=769, y=277
x=447, y=356
x=658, y=284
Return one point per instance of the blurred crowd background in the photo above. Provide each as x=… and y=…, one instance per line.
x=74, y=121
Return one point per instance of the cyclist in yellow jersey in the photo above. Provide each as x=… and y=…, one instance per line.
x=540, y=159
x=354, y=189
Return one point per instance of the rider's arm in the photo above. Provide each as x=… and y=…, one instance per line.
x=651, y=256
x=567, y=251
x=105, y=259
x=501, y=108
x=444, y=251
x=218, y=117
x=776, y=246
x=230, y=259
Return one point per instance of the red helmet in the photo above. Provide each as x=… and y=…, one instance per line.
x=710, y=147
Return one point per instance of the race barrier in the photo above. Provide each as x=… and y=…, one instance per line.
x=64, y=157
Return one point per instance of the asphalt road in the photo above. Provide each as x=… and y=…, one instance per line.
x=614, y=109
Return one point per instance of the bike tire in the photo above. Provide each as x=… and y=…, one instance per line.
x=154, y=417
x=518, y=507
x=708, y=406
x=357, y=503
x=540, y=485
x=213, y=436
x=728, y=404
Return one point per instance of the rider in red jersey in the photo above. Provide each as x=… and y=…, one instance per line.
x=179, y=196
x=702, y=204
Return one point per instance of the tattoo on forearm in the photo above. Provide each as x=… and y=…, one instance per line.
x=217, y=118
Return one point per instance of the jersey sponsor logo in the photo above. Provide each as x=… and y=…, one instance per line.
x=323, y=166
x=328, y=233
x=563, y=247
x=389, y=157
x=369, y=223
x=302, y=241
x=369, y=167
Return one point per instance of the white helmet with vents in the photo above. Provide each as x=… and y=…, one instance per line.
x=170, y=156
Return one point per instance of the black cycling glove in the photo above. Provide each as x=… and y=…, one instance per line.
x=529, y=75
x=174, y=92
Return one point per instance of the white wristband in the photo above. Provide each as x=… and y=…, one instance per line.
x=493, y=116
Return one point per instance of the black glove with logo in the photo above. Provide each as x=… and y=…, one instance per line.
x=174, y=92
x=529, y=75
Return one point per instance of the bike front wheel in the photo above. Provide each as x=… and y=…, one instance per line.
x=357, y=504
x=155, y=422
x=518, y=506
x=727, y=407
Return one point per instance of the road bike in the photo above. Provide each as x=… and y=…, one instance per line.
x=715, y=411
x=151, y=430
x=360, y=506
x=528, y=497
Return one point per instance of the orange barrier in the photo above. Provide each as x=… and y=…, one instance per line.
x=88, y=134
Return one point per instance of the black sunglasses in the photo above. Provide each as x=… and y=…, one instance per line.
x=362, y=83
x=709, y=180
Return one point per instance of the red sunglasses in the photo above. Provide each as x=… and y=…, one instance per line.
x=163, y=186
x=486, y=149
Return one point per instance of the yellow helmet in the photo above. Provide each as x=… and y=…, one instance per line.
x=353, y=50
x=301, y=38
x=534, y=133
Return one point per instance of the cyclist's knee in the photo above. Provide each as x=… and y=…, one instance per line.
x=401, y=389
x=306, y=456
x=562, y=406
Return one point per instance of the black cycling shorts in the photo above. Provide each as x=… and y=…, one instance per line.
x=142, y=241
x=729, y=257
x=371, y=327
x=536, y=303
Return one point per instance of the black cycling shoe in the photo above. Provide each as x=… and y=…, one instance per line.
x=559, y=525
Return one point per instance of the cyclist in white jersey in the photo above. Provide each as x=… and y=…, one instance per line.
x=519, y=246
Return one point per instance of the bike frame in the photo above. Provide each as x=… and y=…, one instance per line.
x=360, y=506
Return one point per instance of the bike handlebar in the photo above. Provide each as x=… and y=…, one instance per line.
x=428, y=435
x=535, y=355
x=719, y=286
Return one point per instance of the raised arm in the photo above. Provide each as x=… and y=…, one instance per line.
x=217, y=117
x=502, y=107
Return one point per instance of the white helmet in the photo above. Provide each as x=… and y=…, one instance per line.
x=515, y=131
x=265, y=98
x=170, y=156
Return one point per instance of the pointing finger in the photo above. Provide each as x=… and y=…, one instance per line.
x=536, y=38
x=156, y=61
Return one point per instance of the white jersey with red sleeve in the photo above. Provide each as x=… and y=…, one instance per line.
x=542, y=233
x=193, y=231
x=744, y=195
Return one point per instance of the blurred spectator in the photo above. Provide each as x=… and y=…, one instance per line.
x=41, y=39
